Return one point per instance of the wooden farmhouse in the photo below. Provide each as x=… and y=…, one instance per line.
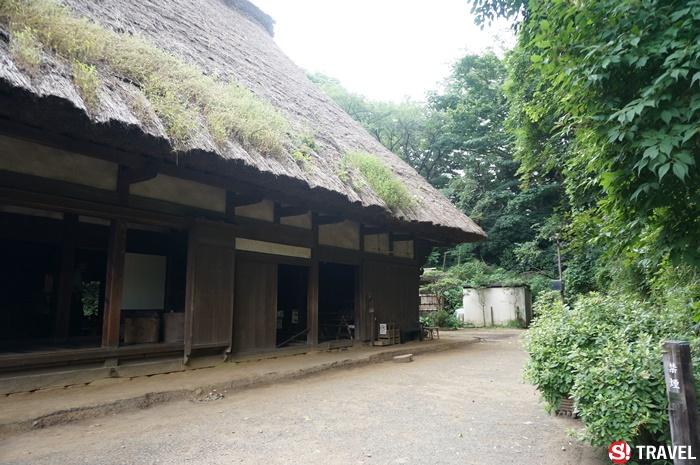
x=141, y=217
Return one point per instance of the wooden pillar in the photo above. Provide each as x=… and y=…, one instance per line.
x=682, y=401
x=230, y=207
x=65, y=278
x=360, y=301
x=115, y=283
x=276, y=213
x=312, y=294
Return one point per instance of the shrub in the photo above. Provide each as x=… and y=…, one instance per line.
x=379, y=177
x=442, y=319
x=449, y=289
x=605, y=351
x=540, y=286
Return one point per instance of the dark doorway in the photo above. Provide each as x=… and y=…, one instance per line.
x=292, y=287
x=27, y=286
x=336, y=302
x=52, y=279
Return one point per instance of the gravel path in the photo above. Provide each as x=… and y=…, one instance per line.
x=466, y=406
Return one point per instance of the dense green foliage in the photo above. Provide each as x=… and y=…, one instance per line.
x=606, y=94
x=605, y=351
x=442, y=319
x=604, y=98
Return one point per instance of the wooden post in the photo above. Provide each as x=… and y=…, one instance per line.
x=360, y=304
x=561, y=275
x=312, y=294
x=370, y=306
x=65, y=278
x=682, y=402
x=115, y=283
x=230, y=214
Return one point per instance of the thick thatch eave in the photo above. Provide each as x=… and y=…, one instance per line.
x=223, y=41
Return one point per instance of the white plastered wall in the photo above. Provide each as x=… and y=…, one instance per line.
x=181, y=191
x=495, y=306
x=345, y=235
x=403, y=249
x=264, y=211
x=272, y=248
x=299, y=221
x=377, y=243
x=39, y=160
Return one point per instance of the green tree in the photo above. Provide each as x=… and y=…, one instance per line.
x=460, y=142
x=618, y=82
x=487, y=187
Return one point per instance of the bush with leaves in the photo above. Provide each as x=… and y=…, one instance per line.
x=448, y=288
x=605, y=351
x=442, y=319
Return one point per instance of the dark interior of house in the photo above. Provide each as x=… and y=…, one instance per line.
x=336, y=302
x=292, y=288
x=52, y=291
x=53, y=275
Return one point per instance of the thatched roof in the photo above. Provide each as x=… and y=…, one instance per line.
x=229, y=39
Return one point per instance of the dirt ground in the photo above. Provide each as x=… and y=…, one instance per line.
x=467, y=406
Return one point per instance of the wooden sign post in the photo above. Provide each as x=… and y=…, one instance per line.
x=682, y=402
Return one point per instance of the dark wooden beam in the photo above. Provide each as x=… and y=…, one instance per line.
x=270, y=232
x=129, y=175
x=115, y=284
x=371, y=230
x=13, y=361
x=329, y=219
x=312, y=292
x=11, y=180
x=212, y=171
x=291, y=211
x=50, y=201
x=132, y=175
x=241, y=200
x=339, y=255
x=362, y=237
x=399, y=237
x=230, y=214
x=276, y=213
x=65, y=278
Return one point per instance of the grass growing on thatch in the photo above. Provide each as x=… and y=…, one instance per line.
x=86, y=80
x=26, y=49
x=180, y=94
x=303, y=148
x=379, y=177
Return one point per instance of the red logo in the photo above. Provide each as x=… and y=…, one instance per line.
x=619, y=452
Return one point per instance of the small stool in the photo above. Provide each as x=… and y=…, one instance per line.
x=431, y=332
